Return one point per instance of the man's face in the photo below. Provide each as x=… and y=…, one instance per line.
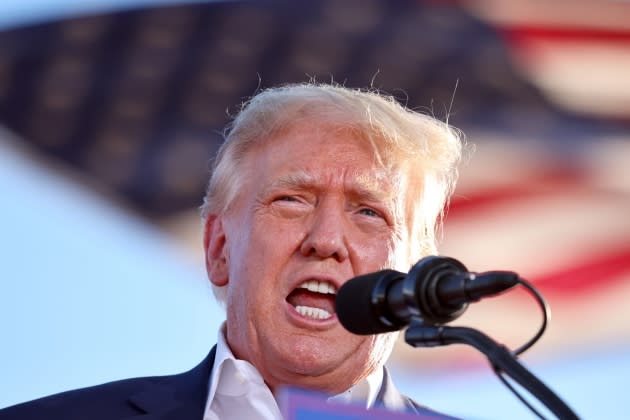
x=314, y=210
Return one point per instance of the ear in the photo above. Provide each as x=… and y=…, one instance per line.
x=215, y=251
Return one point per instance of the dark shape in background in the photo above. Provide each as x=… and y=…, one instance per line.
x=137, y=100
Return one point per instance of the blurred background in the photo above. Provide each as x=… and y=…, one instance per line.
x=110, y=111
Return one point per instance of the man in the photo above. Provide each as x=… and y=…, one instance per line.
x=314, y=185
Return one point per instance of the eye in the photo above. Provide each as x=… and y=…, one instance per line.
x=288, y=198
x=369, y=212
x=289, y=206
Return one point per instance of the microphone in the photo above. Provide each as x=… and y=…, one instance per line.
x=437, y=290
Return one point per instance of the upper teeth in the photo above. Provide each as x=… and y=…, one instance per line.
x=318, y=286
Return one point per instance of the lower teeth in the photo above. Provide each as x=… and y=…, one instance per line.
x=310, y=312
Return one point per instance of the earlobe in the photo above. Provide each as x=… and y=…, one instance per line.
x=215, y=251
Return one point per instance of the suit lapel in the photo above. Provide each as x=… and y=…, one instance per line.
x=177, y=397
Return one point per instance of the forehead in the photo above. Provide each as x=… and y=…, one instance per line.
x=308, y=154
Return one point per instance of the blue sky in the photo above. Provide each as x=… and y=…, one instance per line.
x=19, y=12
x=89, y=293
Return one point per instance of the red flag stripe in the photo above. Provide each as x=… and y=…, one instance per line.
x=550, y=182
x=519, y=34
x=586, y=275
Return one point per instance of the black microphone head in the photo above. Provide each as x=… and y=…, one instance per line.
x=361, y=303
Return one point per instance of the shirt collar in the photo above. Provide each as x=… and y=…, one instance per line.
x=230, y=376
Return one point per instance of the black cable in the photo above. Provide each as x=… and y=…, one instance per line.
x=546, y=315
x=497, y=371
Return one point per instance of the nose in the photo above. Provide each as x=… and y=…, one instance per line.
x=326, y=235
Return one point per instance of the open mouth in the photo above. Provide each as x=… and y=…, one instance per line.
x=314, y=299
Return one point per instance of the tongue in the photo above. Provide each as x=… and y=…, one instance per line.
x=303, y=297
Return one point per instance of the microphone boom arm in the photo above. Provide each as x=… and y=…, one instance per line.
x=420, y=335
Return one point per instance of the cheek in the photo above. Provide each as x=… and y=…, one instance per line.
x=258, y=255
x=248, y=245
x=274, y=242
x=386, y=253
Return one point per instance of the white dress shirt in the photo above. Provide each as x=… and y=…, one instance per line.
x=238, y=391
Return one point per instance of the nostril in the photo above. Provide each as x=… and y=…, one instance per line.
x=324, y=249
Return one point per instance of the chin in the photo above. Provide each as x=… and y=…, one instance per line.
x=308, y=359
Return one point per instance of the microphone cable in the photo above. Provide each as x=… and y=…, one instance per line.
x=546, y=313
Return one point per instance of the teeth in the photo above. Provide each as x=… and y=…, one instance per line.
x=310, y=312
x=318, y=287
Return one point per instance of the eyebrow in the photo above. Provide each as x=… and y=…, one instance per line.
x=367, y=187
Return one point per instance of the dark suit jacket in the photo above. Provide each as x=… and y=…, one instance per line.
x=174, y=397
